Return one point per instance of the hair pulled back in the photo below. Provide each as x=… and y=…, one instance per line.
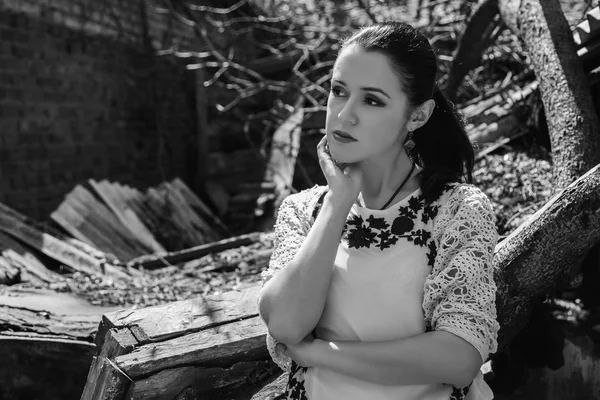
x=443, y=148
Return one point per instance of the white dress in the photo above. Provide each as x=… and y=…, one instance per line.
x=398, y=272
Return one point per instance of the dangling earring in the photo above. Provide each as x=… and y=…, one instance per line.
x=409, y=144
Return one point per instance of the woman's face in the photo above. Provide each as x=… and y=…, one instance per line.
x=366, y=109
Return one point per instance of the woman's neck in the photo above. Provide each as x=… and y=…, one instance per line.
x=383, y=176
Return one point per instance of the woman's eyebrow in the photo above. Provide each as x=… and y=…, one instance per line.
x=366, y=88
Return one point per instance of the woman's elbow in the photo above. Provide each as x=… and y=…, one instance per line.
x=280, y=330
x=468, y=368
x=284, y=334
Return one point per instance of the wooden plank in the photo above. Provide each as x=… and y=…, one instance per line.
x=219, y=346
x=202, y=231
x=178, y=318
x=205, y=230
x=171, y=219
x=17, y=253
x=105, y=380
x=195, y=381
x=196, y=202
x=114, y=199
x=79, y=220
x=105, y=220
x=157, y=261
x=47, y=244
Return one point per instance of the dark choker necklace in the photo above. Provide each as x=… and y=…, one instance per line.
x=399, y=187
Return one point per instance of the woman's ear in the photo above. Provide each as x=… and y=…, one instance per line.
x=421, y=114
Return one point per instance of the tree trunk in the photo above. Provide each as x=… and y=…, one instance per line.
x=539, y=256
x=572, y=121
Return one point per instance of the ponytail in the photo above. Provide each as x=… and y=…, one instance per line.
x=443, y=149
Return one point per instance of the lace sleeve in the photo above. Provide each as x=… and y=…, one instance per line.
x=460, y=292
x=294, y=220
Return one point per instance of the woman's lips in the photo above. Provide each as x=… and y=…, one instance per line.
x=343, y=137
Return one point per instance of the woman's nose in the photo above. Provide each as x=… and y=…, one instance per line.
x=348, y=114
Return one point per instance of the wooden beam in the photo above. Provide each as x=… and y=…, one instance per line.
x=194, y=381
x=220, y=346
x=181, y=317
x=163, y=260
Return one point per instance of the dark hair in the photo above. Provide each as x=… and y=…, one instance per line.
x=443, y=148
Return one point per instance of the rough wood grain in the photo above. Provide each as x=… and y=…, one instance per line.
x=105, y=381
x=194, y=382
x=539, y=256
x=572, y=120
x=219, y=346
x=186, y=316
x=108, y=382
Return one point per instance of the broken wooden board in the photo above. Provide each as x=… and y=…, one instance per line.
x=14, y=224
x=32, y=269
x=89, y=220
x=118, y=204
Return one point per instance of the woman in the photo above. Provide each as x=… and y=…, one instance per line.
x=381, y=283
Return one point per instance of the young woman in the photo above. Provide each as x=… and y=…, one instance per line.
x=381, y=284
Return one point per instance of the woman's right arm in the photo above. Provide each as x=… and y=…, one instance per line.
x=292, y=301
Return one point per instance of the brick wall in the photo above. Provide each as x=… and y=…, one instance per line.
x=82, y=97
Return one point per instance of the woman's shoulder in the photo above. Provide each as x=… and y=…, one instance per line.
x=456, y=194
x=462, y=200
x=305, y=200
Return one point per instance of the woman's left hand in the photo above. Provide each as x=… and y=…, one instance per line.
x=304, y=353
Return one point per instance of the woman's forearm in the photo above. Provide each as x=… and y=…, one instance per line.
x=432, y=357
x=293, y=300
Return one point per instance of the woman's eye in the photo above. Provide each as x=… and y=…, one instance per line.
x=373, y=102
x=337, y=91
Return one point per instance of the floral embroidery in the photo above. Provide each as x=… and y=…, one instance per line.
x=295, y=387
x=361, y=233
x=459, y=393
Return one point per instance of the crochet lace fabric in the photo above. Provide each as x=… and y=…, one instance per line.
x=459, y=293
